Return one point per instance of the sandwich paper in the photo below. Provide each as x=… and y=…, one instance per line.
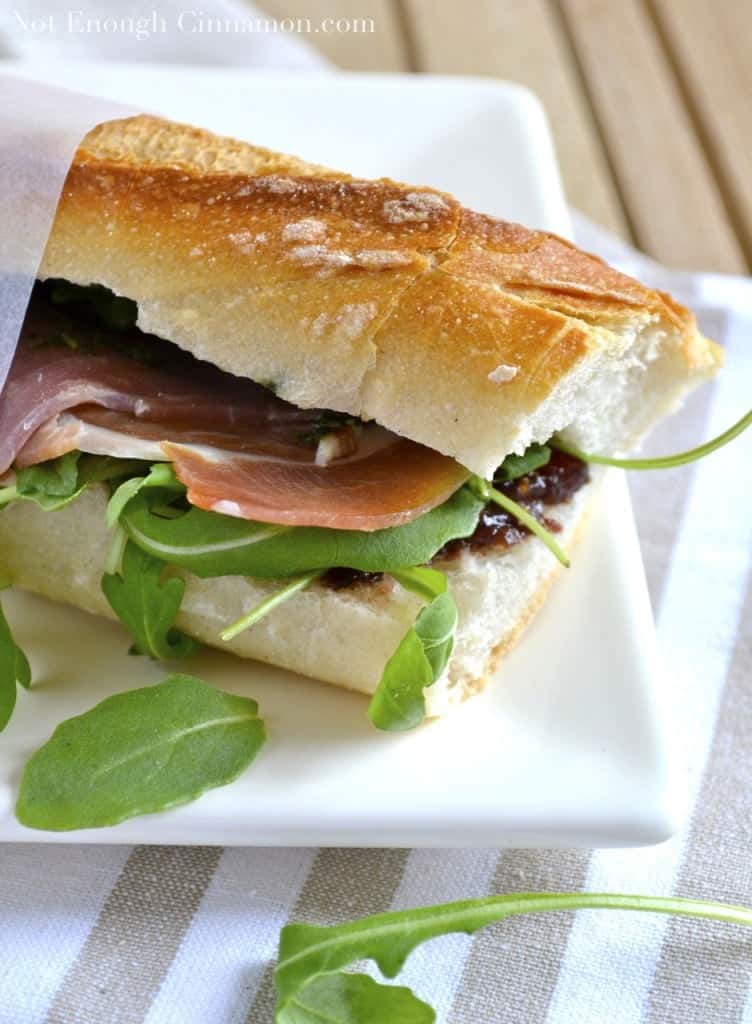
x=40, y=129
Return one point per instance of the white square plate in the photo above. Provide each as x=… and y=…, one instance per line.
x=569, y=747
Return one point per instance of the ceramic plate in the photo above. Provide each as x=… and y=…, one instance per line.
x=569, y=746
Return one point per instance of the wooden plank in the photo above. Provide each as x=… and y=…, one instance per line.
x=370, y=36
x=674, y=204
x=521, y=40
x=711, y=44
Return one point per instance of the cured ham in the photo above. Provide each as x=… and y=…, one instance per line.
x=239, y=449
x=49, y=380
x=392, y=483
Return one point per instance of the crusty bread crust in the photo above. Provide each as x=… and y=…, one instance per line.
x=383, y=300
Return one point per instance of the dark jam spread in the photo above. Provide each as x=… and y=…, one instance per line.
x=552, y=484
x=340, y=578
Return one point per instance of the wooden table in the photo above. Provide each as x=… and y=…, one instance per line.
x=650, y=101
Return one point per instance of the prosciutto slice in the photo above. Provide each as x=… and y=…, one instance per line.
x=239, y=449
x=392, y=483
x=48, y=380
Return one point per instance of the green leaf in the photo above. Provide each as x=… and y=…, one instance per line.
x=57, y=482
x=14, y=670
x=308, y=952
x=139, y=752
x=161, y=474
x=399, y=702
x=99, y=468
x=426, y=583
x=8, y=494
x=147, y=605
x=515, y=466
x=355, y=999
x=209, y=544
x=52, y=484
x=662, y=461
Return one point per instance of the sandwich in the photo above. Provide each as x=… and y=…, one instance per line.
x=331, y=424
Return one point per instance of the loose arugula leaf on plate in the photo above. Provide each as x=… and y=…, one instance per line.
x=209, y=544
x=355, y=999
x=399, y=703
x=147, y=605
x=14, y=670
x=308, y=953
x=139, y=752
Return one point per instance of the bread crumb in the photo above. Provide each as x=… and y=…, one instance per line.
x=278, y=184
x=307, y=230
x=351, y=319
x=245, y=240
x=415, y=206
x=376, y=259
x=311, y=254
x=503, y=373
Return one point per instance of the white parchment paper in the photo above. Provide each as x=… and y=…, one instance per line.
x=40, y=129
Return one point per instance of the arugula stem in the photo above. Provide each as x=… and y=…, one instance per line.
x=115, y=554
x=661, y=461
x=308, y=952
x=8, y=494
x=487, y=492
x=264, y=607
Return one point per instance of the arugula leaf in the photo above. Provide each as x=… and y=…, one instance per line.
x=52, y=484
x=515, y=466
x=399, y=703
x=102, y=468
x=308, y=953
x=146, y=605
x=55, y=483
x=139, y=752
x=661, y=461
x=339, y=998
x=14, y=669
x=160, y=474
x=209, y=544
x=426, y=583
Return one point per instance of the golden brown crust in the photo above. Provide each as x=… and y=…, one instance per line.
x=384, y=300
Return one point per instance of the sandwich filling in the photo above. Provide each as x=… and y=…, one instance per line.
x=215, y=475
x=86, y=379
x=81, y=383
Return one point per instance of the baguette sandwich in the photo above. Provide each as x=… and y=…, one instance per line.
x=315, y=420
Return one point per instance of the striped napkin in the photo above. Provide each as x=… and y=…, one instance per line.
x=103, y=935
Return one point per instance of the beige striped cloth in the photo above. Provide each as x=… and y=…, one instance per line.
x=117, y=935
